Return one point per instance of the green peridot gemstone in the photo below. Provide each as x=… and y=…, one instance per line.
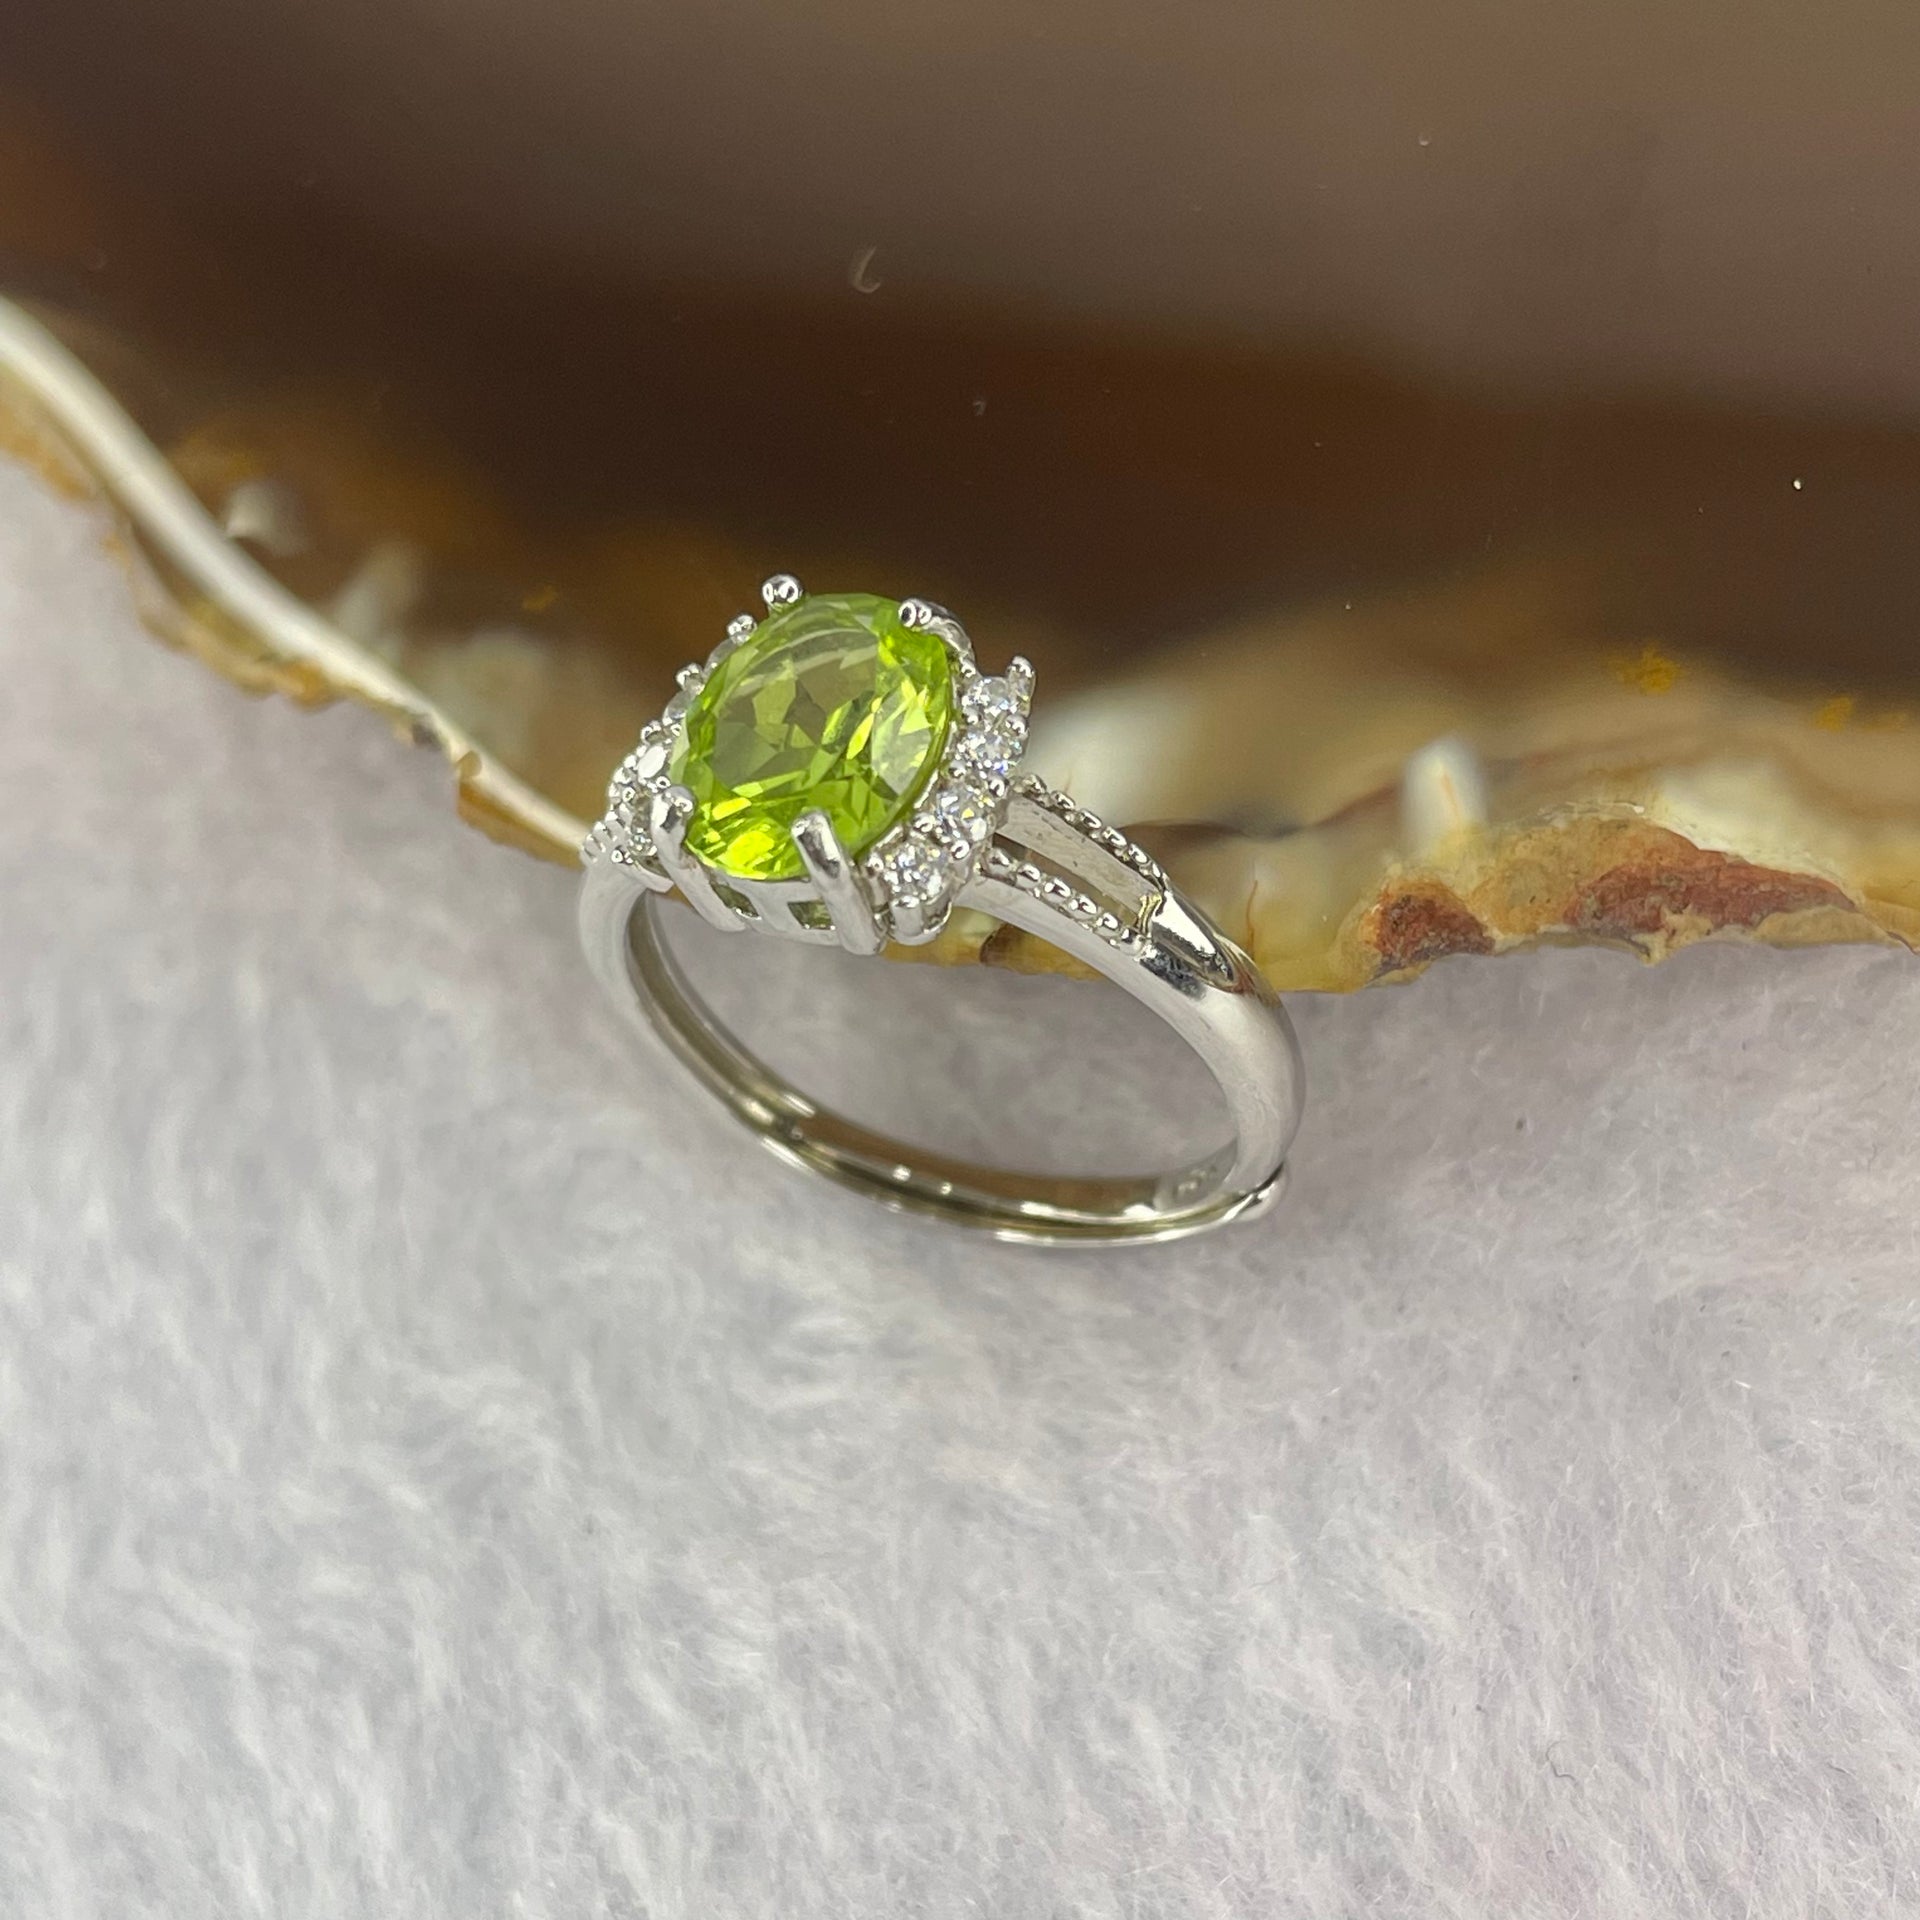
x=830, y=704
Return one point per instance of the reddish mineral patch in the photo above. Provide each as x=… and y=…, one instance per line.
x=1422, y=924
x=1649, y=896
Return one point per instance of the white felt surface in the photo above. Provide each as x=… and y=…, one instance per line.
x=445, y=1471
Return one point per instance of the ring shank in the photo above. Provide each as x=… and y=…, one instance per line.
x=1171, y=959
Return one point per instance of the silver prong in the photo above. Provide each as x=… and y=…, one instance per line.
x=909, y=922
x=840, y=887
x=740, y=626
x=924, y=616
x=782, y=590
x=667, y=815
x=691, y=675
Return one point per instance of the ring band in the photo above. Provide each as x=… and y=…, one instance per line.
x=969, y=830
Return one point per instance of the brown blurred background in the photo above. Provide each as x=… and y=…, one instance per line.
x=1166, y=310
x=1111, y=318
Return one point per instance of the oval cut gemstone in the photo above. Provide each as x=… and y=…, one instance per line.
x=832, y=704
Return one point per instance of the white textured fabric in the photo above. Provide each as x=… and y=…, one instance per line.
x=446, y=1471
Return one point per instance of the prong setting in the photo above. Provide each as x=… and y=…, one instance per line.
x=921, y=867
x=845, y=779
x=902, y=888
x=842, y=892
x=923, y=615
x=669, y=813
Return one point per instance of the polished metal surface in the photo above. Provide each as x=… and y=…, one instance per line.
x=1111, y=909
x=982, y=833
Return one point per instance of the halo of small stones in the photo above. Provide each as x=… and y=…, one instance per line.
x=921, y=865
x=918, y=869
x=621, y=832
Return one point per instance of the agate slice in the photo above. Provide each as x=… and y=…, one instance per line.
x=1389, y=658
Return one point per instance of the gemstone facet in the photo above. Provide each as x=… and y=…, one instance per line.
x=832, y=704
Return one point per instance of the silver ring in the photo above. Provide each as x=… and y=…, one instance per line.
x=841, y=773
